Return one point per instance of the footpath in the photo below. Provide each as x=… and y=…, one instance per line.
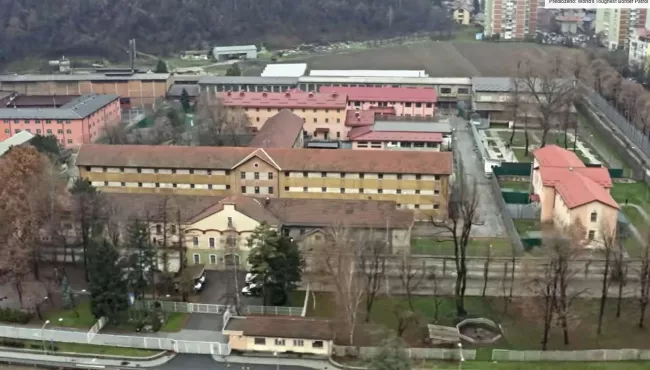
x=276, y=361
x=79, y=361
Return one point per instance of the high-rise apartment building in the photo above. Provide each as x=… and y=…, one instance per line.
x=617, y=25
x=511, y=19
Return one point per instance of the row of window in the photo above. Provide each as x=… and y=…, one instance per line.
x=37, y=121
x=243, y=175
x=295, y=110
x=315, y=120
x=407, y=105
x=306, y=189
x=228, y=259
x=39, y=131
x=278, y=342
x=400, y=144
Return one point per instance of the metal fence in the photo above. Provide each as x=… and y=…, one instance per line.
x=511, y=230
x=586, y=355
x=217, y=309
x=414, y=353
x=131, y=341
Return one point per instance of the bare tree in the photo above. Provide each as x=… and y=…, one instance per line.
x=338, y=259
x=644, y=283
x=486, y=268
x=462, y=211
x=216, y=122
x=619, y=272
x=433, y=276
x=115, y=135
x=372, y=264
x=608, y=247
x=410, y=276
x=515, y=100
x=545, y=288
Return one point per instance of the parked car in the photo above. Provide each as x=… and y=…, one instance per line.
x=252, y=290
x=250, y=277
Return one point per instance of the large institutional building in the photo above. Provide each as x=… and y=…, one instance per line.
x=413, y=179
x=511, y=19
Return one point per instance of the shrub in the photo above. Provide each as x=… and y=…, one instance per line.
x=12, y=343
x=14, y=316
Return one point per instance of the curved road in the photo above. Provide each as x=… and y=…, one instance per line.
x=201, y=362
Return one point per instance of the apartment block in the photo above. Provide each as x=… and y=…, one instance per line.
x=414, y=180
x=638, y=50
x=323, y=114
x=510, y=19
x=81, y=120
x=617, y=25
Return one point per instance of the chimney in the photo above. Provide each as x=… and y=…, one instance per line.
x=570, y=168
x=287, y=94
x=265, y=94
x=229, y=93
x=311, y=94
x=242, y=94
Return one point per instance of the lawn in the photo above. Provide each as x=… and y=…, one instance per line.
x=521, y=157
x=515, y=185
x=636, y=193
x=476, y=247
x=518, y=141
x=525, y=225
x=89, y=349
x=522, y=324
x=588, y=132
x=80, y=317
x=635, y=217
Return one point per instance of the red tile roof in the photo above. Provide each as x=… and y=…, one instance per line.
x=355, y=118
x=279, y=131
x=316, y=160
x=385, y=94
x=294, y=99
x=554, y=156
x=427, y=137
x=577, y=190
x=576, y=183
x=358, y=131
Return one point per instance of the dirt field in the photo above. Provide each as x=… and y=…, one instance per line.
x=439, y=59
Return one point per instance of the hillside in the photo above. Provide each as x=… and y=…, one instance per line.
x=103, y=27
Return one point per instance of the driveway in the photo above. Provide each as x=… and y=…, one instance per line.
x=488, y=213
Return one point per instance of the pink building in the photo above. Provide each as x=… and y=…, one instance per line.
x=404, y=101
x=570, y=193
x=79, y=121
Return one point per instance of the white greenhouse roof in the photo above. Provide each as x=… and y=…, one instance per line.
x=368, y=73
x=285, y=70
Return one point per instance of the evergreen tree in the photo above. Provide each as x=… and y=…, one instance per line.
x=391, y=357
x=277, y=261
x=143, y=262
x=185, y=100
x=66, y=294
x=108, y=293
x=161, y=67
x=233, y=70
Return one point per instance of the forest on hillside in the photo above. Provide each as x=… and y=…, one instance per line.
x=103, y=27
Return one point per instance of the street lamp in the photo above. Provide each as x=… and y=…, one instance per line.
x=462, y=358
x=42, y=332
x=278, y=360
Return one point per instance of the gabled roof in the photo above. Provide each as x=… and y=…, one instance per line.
x=225, y=158
x=279, y=131
x=248, y=206
x=553, y=175
x=77, y=108
x=577, y=190
x=384, y=94
x=355, y=118
x=554, y=156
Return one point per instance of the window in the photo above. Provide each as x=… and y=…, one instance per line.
x=594, y=216
x=327, y=120
x=436, y=192
x=592, y=234
x=211, y=241
x=338, y=120
x=257, y=119
x=173, y=170
x=317, y=344
x=195, y=241
x=418, y=105
x=27, y=121
x=213, y=259
x=279, y=342
x=257, y=190
x=361, y=190
x=68, y=131
x=436, y=205
x=429, y=105
x=436, y=177
x=323, y=189
x=38, y=121
x=50, y=131
x=157, y=184
x=175, y=185
x=270, y=175
x=304, y=174
x=197, y=258
x=418, y=177
x=298, y=342
x=380, y=176
x=270, y=189
x=361, y=175
x=304, y=189
x=408, y=105
x=209, y=172
x=463, y=90
x=139, y=184
x=398, y=191
x=210, y=186
x=417, y=206
x=380, y=191
x=445, y=90
x=399, y=177
x=69, y=141
x=257, y=175
x=243, y=175
x=286, y=188
x=323, y=174
x=315, y=120
x=243, y=190
x=342, y=190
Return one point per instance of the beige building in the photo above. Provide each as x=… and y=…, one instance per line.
x=462, y=15
x=570, y=193
x=269, y=334
x=284, y=130
x=216, y=230
x=414, y=180
x=323, y=114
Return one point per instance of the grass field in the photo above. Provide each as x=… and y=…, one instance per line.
x=515, y=185
x=90, y=349
x=476, y=247
x=524, y=226
x=522, y=324
x=636, y=193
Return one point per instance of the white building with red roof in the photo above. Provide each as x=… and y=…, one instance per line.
x=571, y=193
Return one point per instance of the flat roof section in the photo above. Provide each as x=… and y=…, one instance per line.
x=79, y=107
x=234, y=49
x=406, y=126
x=247, y=80
x=282, y=327
x=85, y=77
x=285, y=70
x=367, y=73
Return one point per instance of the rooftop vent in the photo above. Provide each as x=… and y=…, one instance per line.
x=287, y=94
x=265, y=94
x=229, y=93
x=570, y=168
x=311, y=94
x=335, y=94
x=242, y=94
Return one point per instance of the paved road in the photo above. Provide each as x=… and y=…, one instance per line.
x=488, y=211
x=201, y=362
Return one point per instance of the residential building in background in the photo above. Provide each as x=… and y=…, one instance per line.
x=462, y=15
x=638, y=50
x=570, y=193
x=617, y=25
x=414, y=180
x=195, y=55
x=396, y=101
x=222, y=53
x=79, y=121
x=217, y=230
x=511, y=19
x=323, y=114
x=141, y=88
x=284, y=130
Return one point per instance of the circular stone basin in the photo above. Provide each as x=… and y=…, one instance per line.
x=479, y=331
